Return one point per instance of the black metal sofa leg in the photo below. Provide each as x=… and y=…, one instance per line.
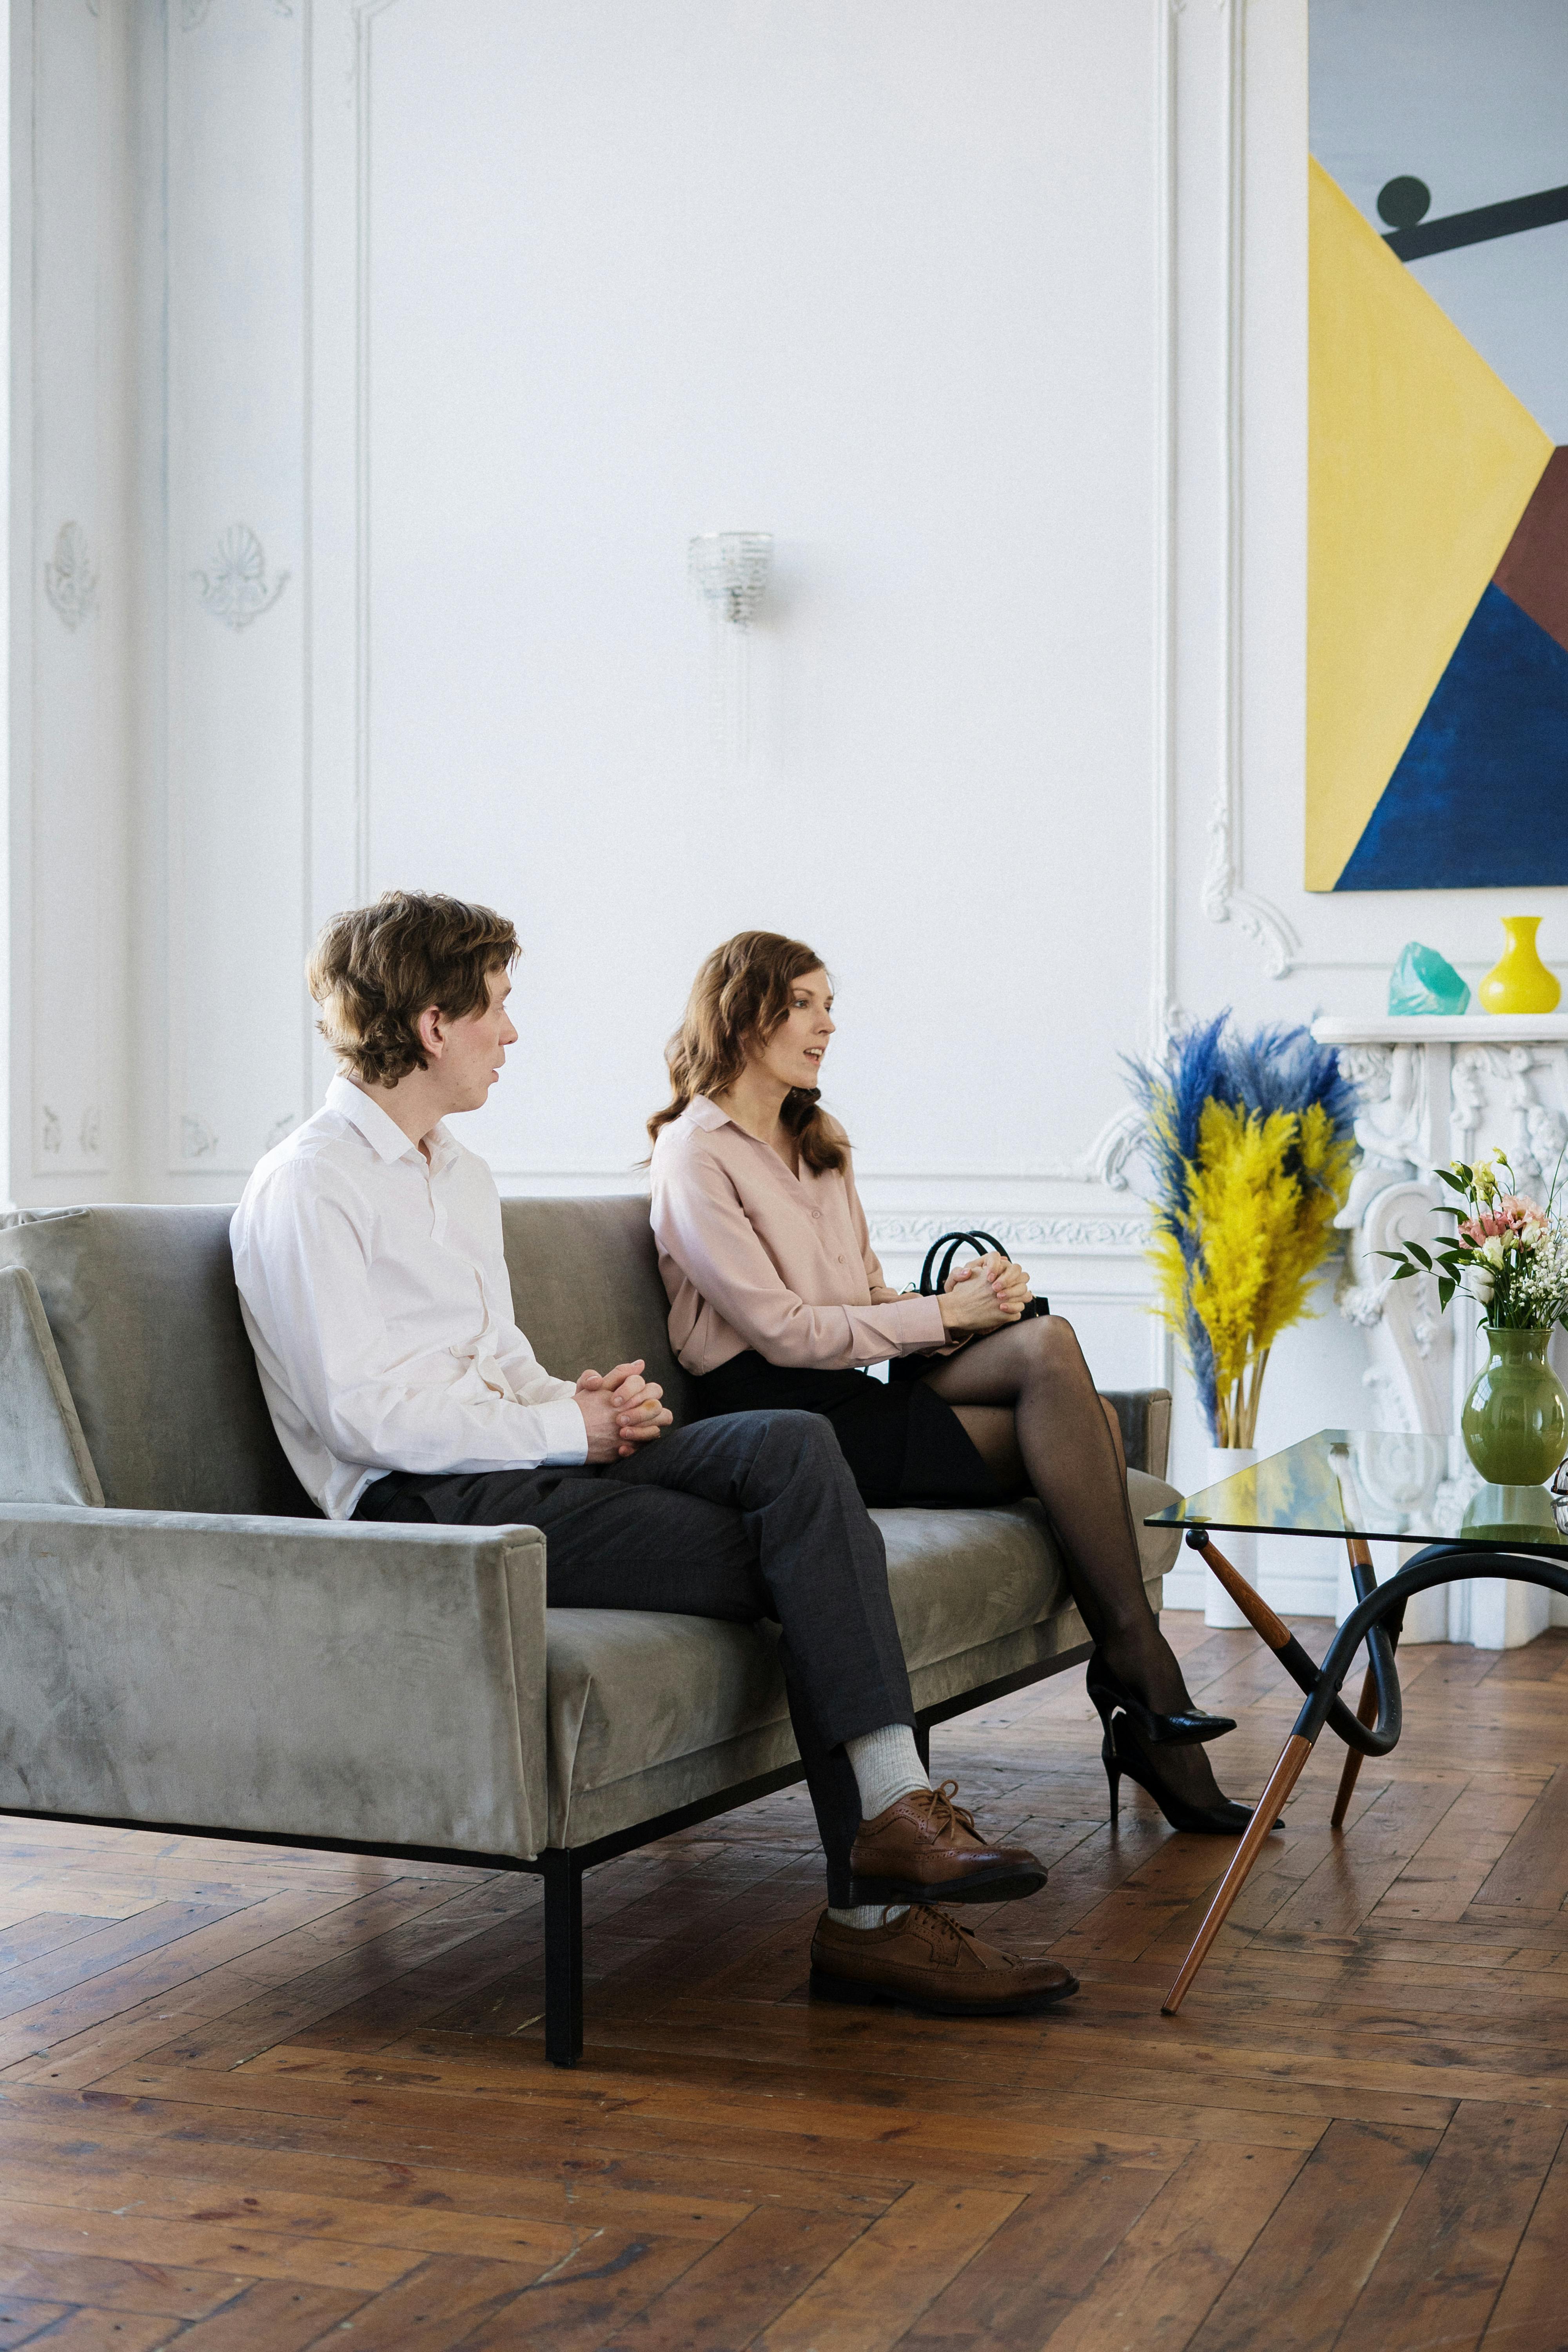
x=562, y=1957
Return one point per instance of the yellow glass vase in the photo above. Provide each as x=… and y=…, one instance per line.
x=1520, y=983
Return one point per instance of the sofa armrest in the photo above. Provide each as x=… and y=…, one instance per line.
x=301, y=1677
x=1145, y=1418
x=44, y=1456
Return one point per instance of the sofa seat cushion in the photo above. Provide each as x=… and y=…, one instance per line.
x=649, y=1712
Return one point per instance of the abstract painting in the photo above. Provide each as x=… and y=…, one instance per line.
x=1438, y=580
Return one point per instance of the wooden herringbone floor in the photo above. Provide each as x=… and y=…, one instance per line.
x=250, y=2099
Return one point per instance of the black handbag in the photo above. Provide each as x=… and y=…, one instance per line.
x=933, y=1282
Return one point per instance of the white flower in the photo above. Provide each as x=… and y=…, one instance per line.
x=1491, y=1249
x=1538, y=1280
x=1481, y=1285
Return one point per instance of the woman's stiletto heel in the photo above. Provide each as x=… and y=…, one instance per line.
x=1122, y=1754
x=1188, y=1731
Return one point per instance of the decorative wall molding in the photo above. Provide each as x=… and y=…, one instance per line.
x=1103, y=1161
x=1028, y=1236
x=1163, y=1011
x=196, y=1138
x=1224, y=898
x=88, y=1131
x=196, y=12
x=49, y=1130
x=236, y=592
x=70, y=584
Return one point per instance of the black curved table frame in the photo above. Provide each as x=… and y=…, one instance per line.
x=1374, y=1728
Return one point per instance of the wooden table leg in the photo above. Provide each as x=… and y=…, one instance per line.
x=1270, y=1805
x=1365, y=1713
x=1251, y=1603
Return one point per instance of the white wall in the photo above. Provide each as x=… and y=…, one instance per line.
x=472, y=312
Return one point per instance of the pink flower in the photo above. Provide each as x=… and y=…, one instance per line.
x=1509, y=1214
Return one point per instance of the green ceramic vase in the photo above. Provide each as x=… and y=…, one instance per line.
x=1515, y=1422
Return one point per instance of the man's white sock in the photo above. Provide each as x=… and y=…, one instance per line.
x=887, y=1765
x=870, y=1914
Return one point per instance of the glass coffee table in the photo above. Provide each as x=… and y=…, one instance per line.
x=1363, y=1487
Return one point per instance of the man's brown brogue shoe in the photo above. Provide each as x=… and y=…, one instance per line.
x=925, y=1848
x=927, y=1961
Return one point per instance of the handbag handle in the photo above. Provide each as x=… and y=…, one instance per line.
x=978, y=1242
x=909, y=1367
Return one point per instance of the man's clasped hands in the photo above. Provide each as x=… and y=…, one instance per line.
x=620, y=1410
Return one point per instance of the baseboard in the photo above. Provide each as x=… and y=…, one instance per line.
x=1296, y=1593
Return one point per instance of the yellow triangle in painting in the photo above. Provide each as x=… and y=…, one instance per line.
x=1421, y=463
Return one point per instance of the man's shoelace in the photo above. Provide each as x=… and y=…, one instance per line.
x=944, y=1814
x=931, y=1919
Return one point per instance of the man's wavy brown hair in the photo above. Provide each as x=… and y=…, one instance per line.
x=738, y=998
x=376, y=968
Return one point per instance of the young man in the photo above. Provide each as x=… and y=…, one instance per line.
x=367, y=1249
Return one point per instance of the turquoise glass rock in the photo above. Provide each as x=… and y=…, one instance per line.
x=1422, y=982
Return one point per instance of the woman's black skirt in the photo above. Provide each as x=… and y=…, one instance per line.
x=902, y=1443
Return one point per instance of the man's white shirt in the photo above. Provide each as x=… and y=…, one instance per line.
x=374, y=1290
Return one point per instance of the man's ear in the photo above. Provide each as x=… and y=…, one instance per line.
x=432, y=1032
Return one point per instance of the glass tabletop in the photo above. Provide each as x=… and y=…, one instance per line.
x=1374, y=1483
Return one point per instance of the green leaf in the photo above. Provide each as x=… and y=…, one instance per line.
x=1447, y=1176
x=1419, y=1255
x=1404, y=1273
x=1446, y=1289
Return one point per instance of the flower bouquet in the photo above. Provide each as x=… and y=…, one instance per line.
x=1250, y=1141
x=1510, y=1257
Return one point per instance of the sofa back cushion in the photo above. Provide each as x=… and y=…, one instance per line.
x=586, y=1287
x=143, y=1311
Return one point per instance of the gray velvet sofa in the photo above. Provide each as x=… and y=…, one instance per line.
x=187, y=1644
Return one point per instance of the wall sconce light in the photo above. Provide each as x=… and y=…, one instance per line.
x=729, y=570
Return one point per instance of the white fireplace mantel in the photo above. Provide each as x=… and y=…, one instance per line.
x=1435, y=1089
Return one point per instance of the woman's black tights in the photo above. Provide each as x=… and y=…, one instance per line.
x=1026, y=1396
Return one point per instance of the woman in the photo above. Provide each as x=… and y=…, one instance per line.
x=776, y=1299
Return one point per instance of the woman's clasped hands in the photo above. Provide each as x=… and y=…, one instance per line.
x=984, y=1294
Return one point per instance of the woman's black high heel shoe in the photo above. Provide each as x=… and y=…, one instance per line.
x=1225, y=1819
x=1189, y=1730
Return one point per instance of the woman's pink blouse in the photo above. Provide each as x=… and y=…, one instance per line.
x=754, y=1257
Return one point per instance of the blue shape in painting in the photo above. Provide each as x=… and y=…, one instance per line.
x=1480, y=796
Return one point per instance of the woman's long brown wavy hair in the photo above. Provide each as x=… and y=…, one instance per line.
x=740, y=997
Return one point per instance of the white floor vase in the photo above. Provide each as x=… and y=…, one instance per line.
x=1240, y=1549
